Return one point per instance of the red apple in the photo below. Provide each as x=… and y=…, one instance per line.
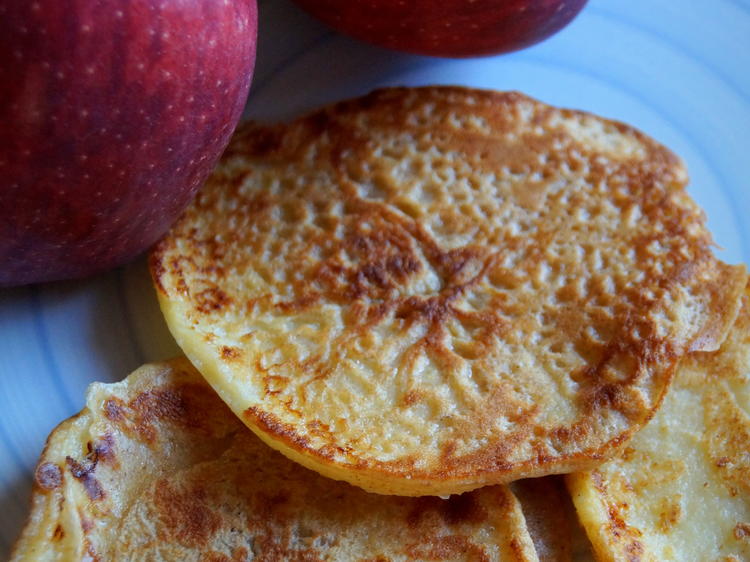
x=112, y=114
x=447, y=28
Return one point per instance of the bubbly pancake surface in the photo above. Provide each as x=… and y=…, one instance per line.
x=680, y=490
x=423, y=291
x=158, y=468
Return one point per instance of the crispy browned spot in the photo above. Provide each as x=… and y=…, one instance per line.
x=214, y=556
x=741, y=531
x=91, y=553
x=104, y=449
x=84, y=473
x=669, y=514
x=445, y=548
x=48, y=476
x=113, y=409
x=517, y=549
x=186, y=516
x=189, y=405
x=412, y=397
x=229, y=353
x=212, y=300
x=274, y=426
x=617, y=522
x=240, y=554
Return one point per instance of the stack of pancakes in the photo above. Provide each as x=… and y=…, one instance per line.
x=425, y=299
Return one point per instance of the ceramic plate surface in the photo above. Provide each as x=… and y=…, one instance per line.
x=678, y=71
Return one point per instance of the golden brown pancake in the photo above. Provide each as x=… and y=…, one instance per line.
x=424, y=291
x=680, y=490
x=157, y=468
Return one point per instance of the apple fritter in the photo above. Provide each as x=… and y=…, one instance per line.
x=424, y=291
x=158, y=468
x=680, y=490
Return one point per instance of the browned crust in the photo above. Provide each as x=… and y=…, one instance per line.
x=460, y=468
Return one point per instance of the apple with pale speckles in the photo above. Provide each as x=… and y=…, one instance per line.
x=112, y=114
x=450, y=28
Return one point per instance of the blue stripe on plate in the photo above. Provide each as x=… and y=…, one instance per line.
x=741, y=4
x=17, y=507
x=45, y=346
x=127, y=314
x=696, y=55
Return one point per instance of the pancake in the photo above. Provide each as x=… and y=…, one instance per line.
x=157, y=468
x=424, y=291
x=681, y=488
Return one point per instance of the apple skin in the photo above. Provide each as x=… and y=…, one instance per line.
x=447, y=28
x=112, y=114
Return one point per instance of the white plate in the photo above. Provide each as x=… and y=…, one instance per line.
x=679, y=71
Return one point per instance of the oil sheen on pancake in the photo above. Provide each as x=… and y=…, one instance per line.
x=423, y=291
x=680, y=490
x=158, y=468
